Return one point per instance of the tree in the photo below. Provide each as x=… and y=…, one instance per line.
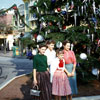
x=76, y=20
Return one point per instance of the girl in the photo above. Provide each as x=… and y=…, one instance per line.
x=70, y=65
x=60, y=83
x=41, y=75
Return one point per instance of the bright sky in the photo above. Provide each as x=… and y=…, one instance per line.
x=9, y=3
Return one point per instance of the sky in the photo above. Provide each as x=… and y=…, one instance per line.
x=9, y=3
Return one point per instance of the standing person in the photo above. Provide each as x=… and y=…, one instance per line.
x=60, y=82
x=41, y=76
x=50, y=52
x=70, y=65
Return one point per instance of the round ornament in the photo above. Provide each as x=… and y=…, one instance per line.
x=58, y=9
x=64, y=27
x=83, y=56
x=40, y=38
x=63, y=12
x=35, y=3
x=95, y=71
x=53, y=1
x=59, y=44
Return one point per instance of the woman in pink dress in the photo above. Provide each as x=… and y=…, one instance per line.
x=60, y=82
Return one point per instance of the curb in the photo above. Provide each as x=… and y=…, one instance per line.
x=8, y=82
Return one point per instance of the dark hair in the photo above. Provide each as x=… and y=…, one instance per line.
x=59, y=51
x=42, y=45
x=65, y=42
x=50, y=41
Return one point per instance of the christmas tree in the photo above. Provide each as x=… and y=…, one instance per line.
x=77, y=21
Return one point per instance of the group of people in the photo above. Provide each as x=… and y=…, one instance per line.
x=55, y=71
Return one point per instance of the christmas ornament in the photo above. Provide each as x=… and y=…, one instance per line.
x=40, y=38
x=64, y=27
x=35, y=36
x=35, y=3
x=53, y=1
x=34, y=15
x=37, y=9
x=75, y=18
x=59, y=44
x=92, y=37
x=49, y=23
x=63, y=12
x=67, y=7
x=83, y=56
x=72, y=5
x=58, y=9
x=34, y=51
x=45, y=5
x=95, y=71
x=72, y=47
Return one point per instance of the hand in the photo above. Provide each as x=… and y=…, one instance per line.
x=72, y=74
x=69, y=75
x=35, y=82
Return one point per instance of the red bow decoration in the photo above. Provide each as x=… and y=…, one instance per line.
x=61, y=63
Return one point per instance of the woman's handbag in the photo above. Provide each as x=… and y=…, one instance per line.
x=35, y=91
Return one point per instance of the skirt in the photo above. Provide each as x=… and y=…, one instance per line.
x=60, y=84
x=72, y=80
x=43, y=82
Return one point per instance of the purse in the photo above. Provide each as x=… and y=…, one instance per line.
x=35, y=91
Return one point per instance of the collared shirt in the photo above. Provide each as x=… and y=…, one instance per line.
x=69, y=57
x=51, y=55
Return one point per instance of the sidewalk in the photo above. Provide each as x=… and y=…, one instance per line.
x=19, y=89
x=88, y=98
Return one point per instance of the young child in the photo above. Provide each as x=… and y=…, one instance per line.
x=60, y=83
x=41, y=76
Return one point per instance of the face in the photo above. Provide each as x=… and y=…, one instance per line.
x=60, y=56
x=51, y=46
x=67, y=46
x=42, y=50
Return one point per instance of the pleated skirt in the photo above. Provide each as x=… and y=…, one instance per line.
x=43, y=80
x=60, y=84
x=72, y=80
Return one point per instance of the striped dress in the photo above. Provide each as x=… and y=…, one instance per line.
x=60, y=82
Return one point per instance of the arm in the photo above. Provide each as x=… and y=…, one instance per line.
x=74, y=64
x=34, y=77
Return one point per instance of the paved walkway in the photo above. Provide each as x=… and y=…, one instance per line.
x=88, y=97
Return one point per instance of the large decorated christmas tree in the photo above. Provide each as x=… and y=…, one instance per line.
x=77, y=21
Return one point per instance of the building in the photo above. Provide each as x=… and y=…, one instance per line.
x=6, y=31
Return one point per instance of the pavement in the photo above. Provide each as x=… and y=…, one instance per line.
x=10, y=54
x=87, y=97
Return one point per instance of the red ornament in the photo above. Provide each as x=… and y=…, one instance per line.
x=61, y=64
x=50, y=23
x=64, y=27
x=58, y=9
x=15, y=8
x=35, y=36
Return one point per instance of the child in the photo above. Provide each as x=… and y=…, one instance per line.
x=60, y=83
x=41, y=76
x=50, y=52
